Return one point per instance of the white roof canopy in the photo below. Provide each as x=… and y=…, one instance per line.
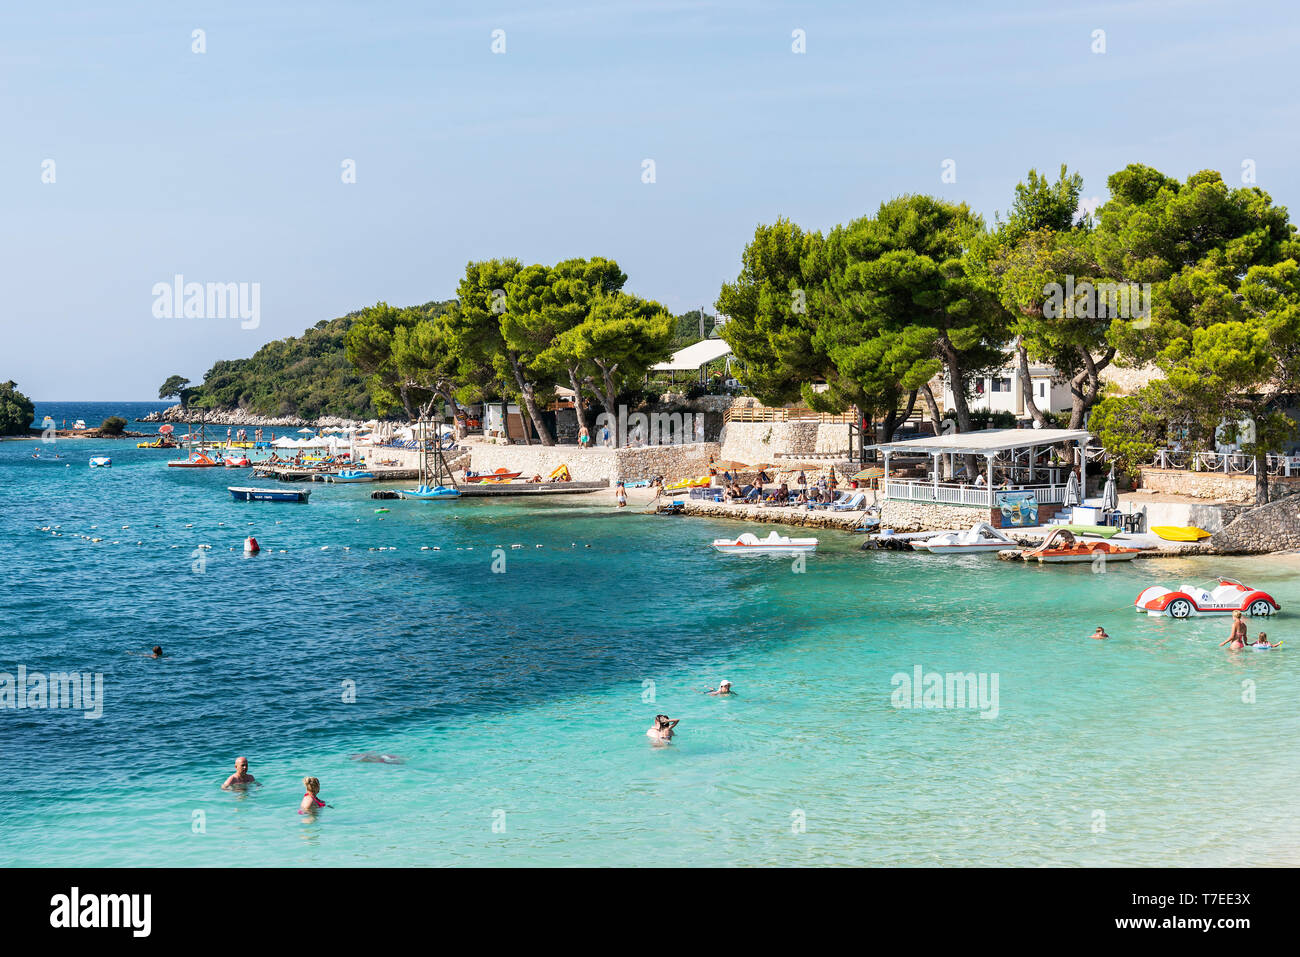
x=984, y=441
x=693, y=357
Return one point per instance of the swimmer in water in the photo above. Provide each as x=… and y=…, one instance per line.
x=1262, y=641
x=662, y=729
x=240, y=778
x=311, y=800
x=1236, y=640
x=724, y=687
x=1100, y=634
x=157, y=651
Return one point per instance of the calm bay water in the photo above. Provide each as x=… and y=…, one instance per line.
x=518, y=699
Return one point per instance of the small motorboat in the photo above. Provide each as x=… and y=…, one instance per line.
x=500, y=475
x=100, y=461
x=237, y=463
x=1221, y=596
x=1062, y=547
x=242, y=494
x=197, y=460
x=1172, y=533
x=980, y=537
x=774, y=544
x=427, y=493
x=351, y=475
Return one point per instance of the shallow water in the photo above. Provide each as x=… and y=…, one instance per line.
x=515, y=703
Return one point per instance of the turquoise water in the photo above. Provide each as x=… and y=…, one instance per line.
x=518, y=699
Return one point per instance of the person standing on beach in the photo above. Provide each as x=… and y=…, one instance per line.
x=240, y=778
x=584, y=437
x=620, y=495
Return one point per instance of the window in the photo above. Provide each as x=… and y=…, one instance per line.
x=1001, y=385
x=1042, y=390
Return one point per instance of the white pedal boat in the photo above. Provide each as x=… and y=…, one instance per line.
x=774, y=544
x=980, y=537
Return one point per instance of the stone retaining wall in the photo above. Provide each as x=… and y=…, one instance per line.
x=1215, y=486
x=757, y=443
x=598, y=464
x=1274, y=527
x=929, y=516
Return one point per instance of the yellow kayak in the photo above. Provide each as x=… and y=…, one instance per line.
x=1173, y=533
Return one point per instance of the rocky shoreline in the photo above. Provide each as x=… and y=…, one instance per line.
x=238, y=417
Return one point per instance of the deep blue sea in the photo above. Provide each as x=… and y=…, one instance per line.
x=511, y=688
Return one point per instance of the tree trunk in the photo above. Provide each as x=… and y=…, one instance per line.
x=1027, y=385
x=1086, y=386
x=960, y=404
x=526, y=395
x=450, y=399
x=1261, y=478
x=893, y=420
x=927, y=395
x=576, y=384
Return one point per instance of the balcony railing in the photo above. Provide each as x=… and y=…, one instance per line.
x=1228, y=463
x=950, y=494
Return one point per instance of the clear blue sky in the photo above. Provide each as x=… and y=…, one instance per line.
x=225, y=166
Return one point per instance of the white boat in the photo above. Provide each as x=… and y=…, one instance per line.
x=100, y=461
x=980, y=537
x=774, y=544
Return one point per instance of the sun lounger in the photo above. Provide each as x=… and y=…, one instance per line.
x=851, y=504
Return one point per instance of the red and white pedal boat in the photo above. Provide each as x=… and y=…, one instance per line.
x=1225, y=596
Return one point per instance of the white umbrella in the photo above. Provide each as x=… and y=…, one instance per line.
x=1109, y=494
x=306, y=431
x=1071, y=491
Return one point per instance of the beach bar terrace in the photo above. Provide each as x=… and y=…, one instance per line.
x=1016, y=453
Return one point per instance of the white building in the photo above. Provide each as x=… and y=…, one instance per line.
x=1002, y=392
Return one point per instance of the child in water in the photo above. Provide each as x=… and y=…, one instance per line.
x=1262, y=641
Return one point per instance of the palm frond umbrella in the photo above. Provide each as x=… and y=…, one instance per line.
x=1110, y=494
x=1071, y=491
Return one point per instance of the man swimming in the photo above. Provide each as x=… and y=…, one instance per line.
x=241, y=776
x=662, y=729
x=1100, y=634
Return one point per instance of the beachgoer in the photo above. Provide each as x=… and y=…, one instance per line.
x=662, y=729
x=620, y=495
x=157, y=652
x=311, y=800
x=240, y=777
x=1262, y=641
x=1236, y=639
x=1100, y=634
x=584, y=437
x=724, y=687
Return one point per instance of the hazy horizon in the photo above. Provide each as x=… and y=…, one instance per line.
x=226, y=166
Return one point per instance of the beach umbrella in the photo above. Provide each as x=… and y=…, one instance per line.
x=166, y=429
x=1071, y=491
x=1109, y=494
x=306, y=431
x=874, y=472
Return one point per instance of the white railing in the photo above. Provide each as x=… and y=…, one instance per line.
x=949, y=494
x=1229, y=463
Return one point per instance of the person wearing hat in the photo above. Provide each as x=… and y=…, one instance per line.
x=724, y=687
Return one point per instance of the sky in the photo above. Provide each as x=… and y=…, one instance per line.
x=228, y=165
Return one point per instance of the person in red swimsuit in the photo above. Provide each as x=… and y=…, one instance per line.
x=311, y=800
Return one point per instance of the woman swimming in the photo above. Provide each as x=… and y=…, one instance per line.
x=1236, y=640
x=662, y=729
x=311, y=800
